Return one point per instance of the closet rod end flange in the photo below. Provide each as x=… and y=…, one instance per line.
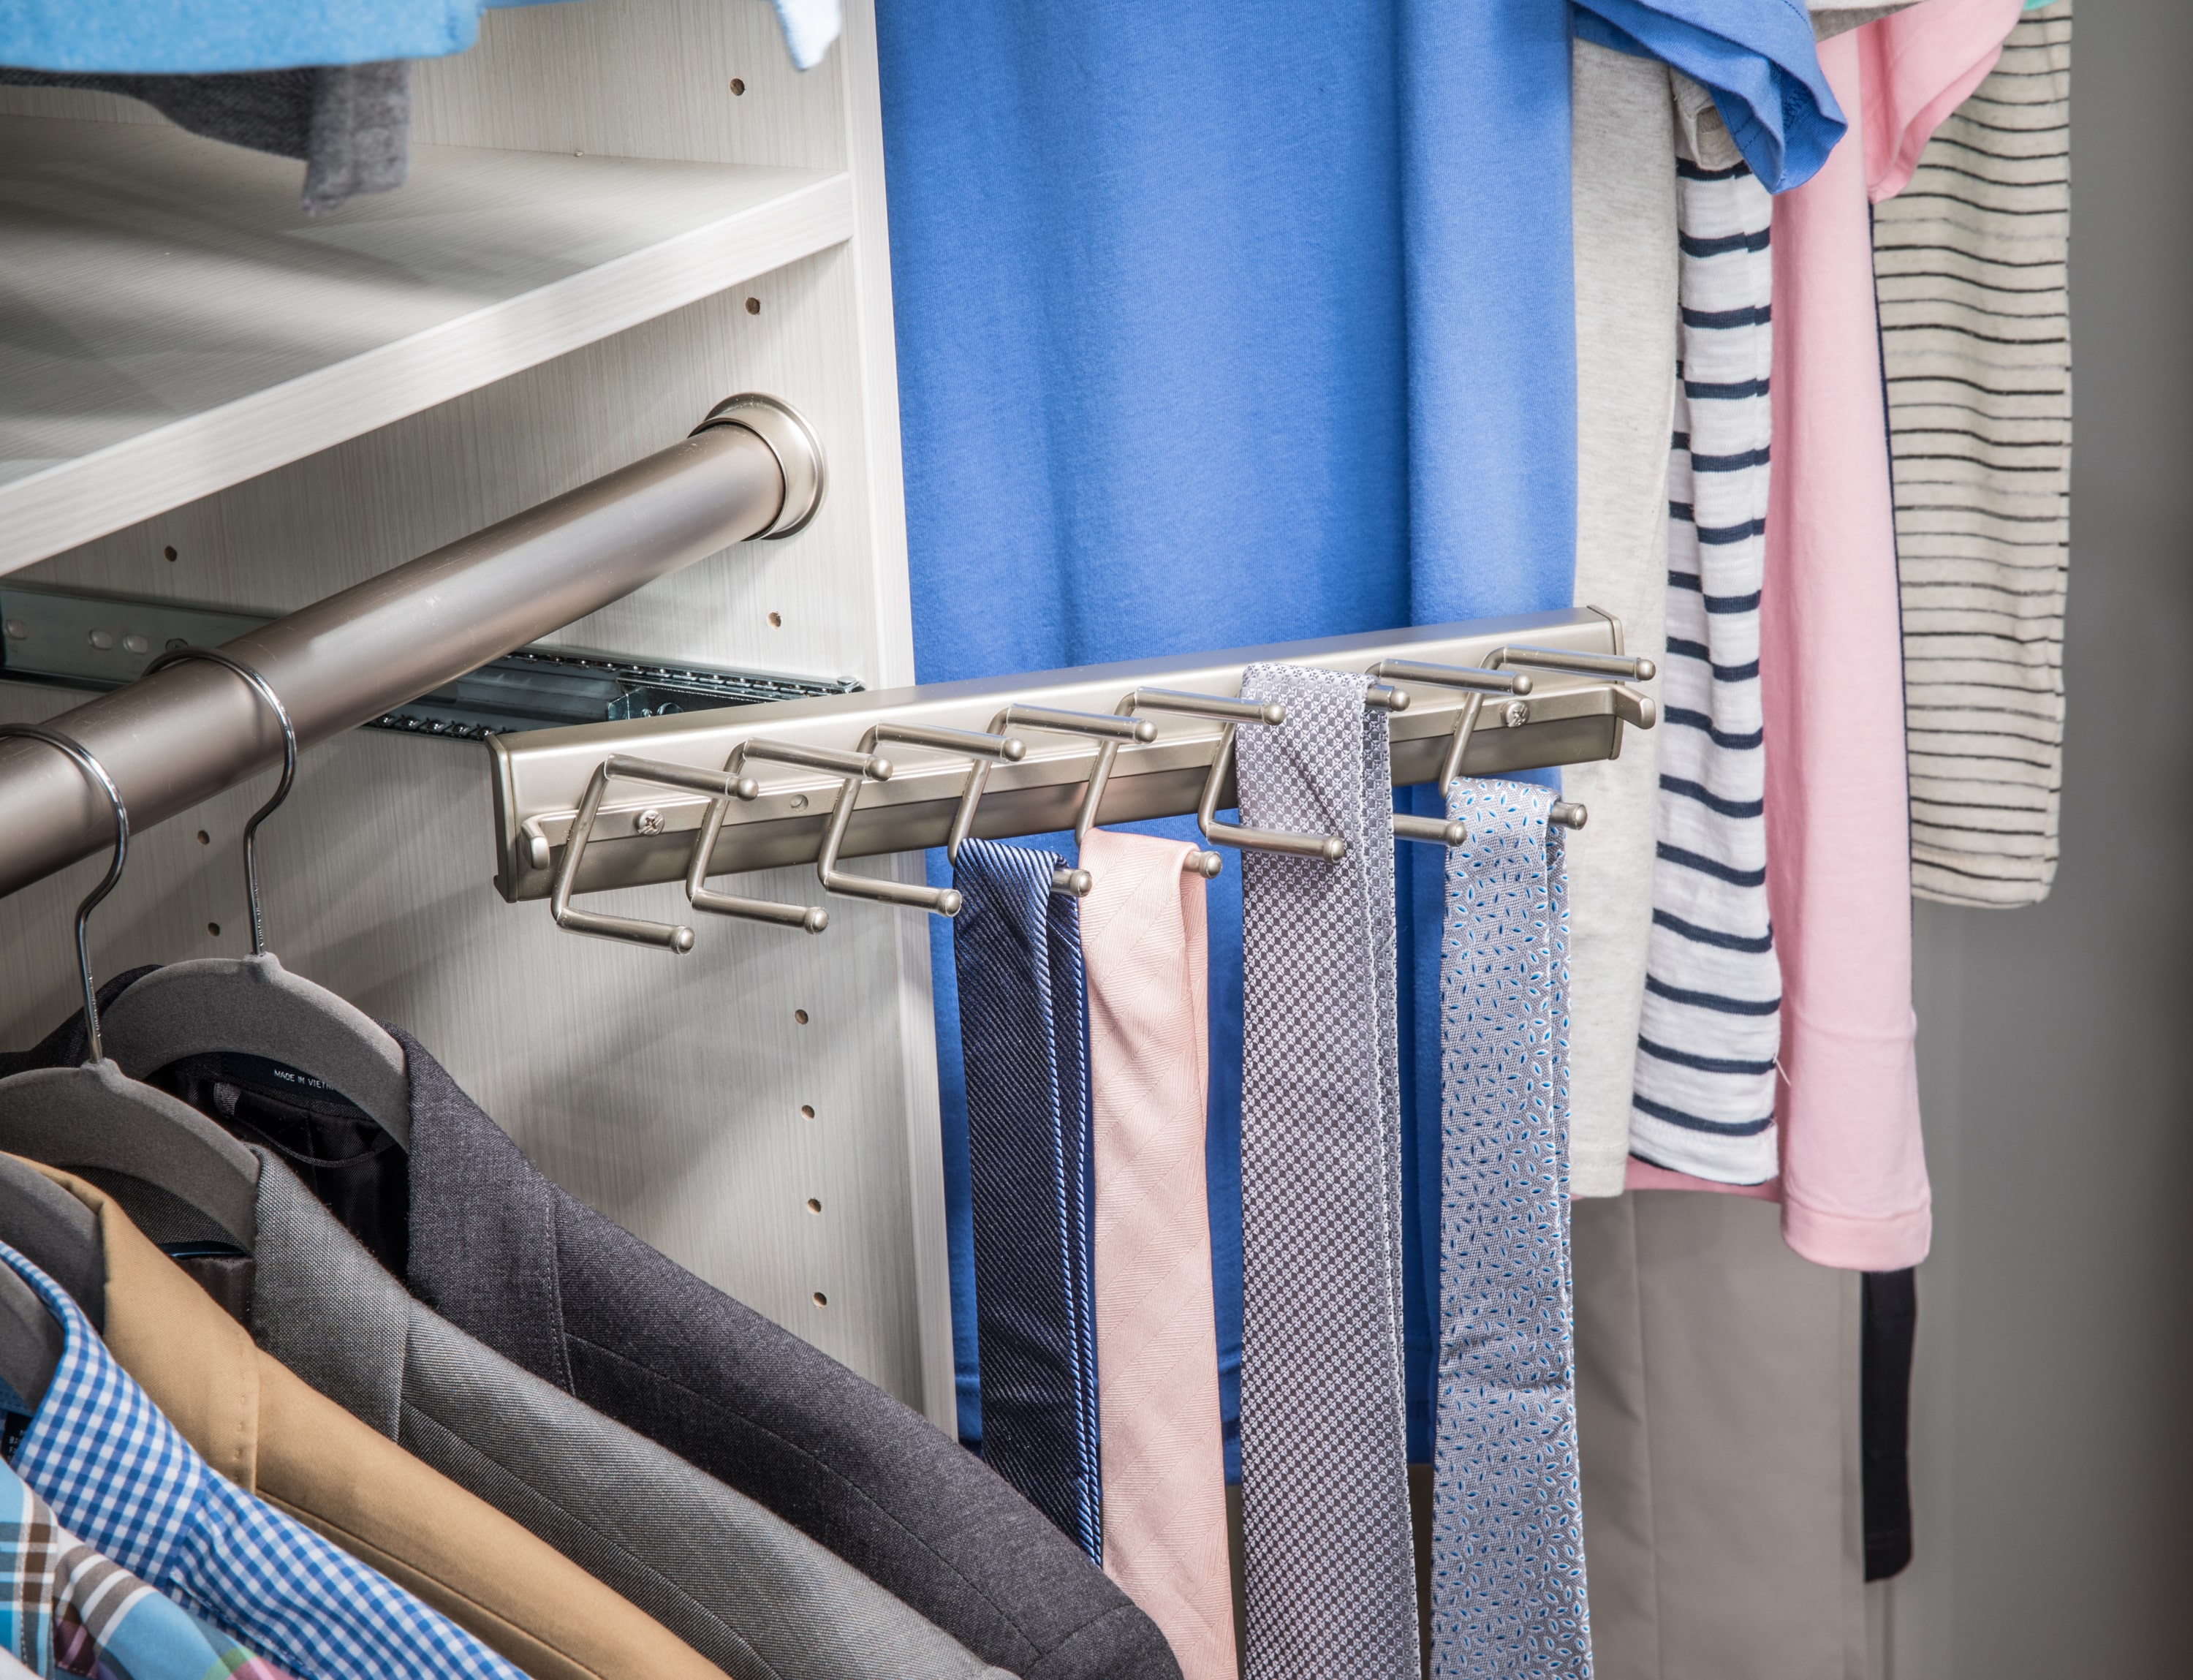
x=792, y=439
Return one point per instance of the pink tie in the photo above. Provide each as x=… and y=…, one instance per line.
x=1157, y=1344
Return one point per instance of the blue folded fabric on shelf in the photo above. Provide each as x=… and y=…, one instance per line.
x=202, y=37
x=1756, y=56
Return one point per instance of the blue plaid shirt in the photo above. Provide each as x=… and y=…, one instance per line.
x=116, y=1473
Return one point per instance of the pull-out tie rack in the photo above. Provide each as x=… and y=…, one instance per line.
x=810, y=782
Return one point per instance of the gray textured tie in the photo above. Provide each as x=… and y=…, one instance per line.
x=1325, y=1500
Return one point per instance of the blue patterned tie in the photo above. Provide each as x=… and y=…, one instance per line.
x=1330, y=1564
x=1508, y=1579
x=1024, y=1030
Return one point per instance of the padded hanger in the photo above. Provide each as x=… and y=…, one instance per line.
x=252, y=1004
x=31, y=1339
x=56, y=1233
x=96, y=1120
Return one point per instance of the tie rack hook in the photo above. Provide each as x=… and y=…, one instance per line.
x=852, y=771
x=1477, y=682
x=812, y=918
x=984, y=752
x=1630, y=705
x=1109, y=732
x=672, y=936
x=1232, y=712
x=981, y=751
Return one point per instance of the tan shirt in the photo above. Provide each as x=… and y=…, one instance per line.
x=267, y=1432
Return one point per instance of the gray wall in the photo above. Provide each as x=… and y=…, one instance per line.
x=2056, y=1044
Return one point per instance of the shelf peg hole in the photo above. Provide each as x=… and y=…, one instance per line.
x=738, y=86
x=822, y=1299
x=169, y=552
x=776, y=621
x=801, y=1016
x=214, y=928
x=204, y=839
x=753, y=306
x=814, y=1205
x=807, y=1110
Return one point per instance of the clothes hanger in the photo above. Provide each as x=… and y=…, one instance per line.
x=56, y=1233
x=58, y=1236
x=253, y=1006
x=96, y=1121
x=31, y=1339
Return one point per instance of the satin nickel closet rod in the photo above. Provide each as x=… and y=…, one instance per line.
x=754, y=469
x=1569, y=709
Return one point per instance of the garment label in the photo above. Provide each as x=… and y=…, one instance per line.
x=271, y=1078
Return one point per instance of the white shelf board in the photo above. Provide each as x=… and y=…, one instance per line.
x=171, y=322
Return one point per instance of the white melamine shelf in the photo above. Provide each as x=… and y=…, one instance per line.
x=171, y=322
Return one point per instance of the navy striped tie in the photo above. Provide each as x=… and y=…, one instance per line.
x=1024, y=1031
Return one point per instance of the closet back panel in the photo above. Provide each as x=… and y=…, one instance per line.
x=793, y=1162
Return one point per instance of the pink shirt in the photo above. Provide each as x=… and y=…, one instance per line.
x=1853, y=1184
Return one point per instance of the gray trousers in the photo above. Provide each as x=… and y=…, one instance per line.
x=1717, y=1408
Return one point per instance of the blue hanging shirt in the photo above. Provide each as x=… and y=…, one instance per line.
x=1758, y=58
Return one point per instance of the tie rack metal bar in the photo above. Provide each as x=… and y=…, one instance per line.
x=777, y=812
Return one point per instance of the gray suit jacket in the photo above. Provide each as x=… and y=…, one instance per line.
x=737, y=1583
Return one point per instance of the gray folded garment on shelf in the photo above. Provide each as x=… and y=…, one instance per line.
x=350, y=123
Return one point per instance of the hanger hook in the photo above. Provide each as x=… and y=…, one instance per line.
x=97, y=772
x=264, y=690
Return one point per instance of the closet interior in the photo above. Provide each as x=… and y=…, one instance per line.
x=458, y=665
x=617, y=216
